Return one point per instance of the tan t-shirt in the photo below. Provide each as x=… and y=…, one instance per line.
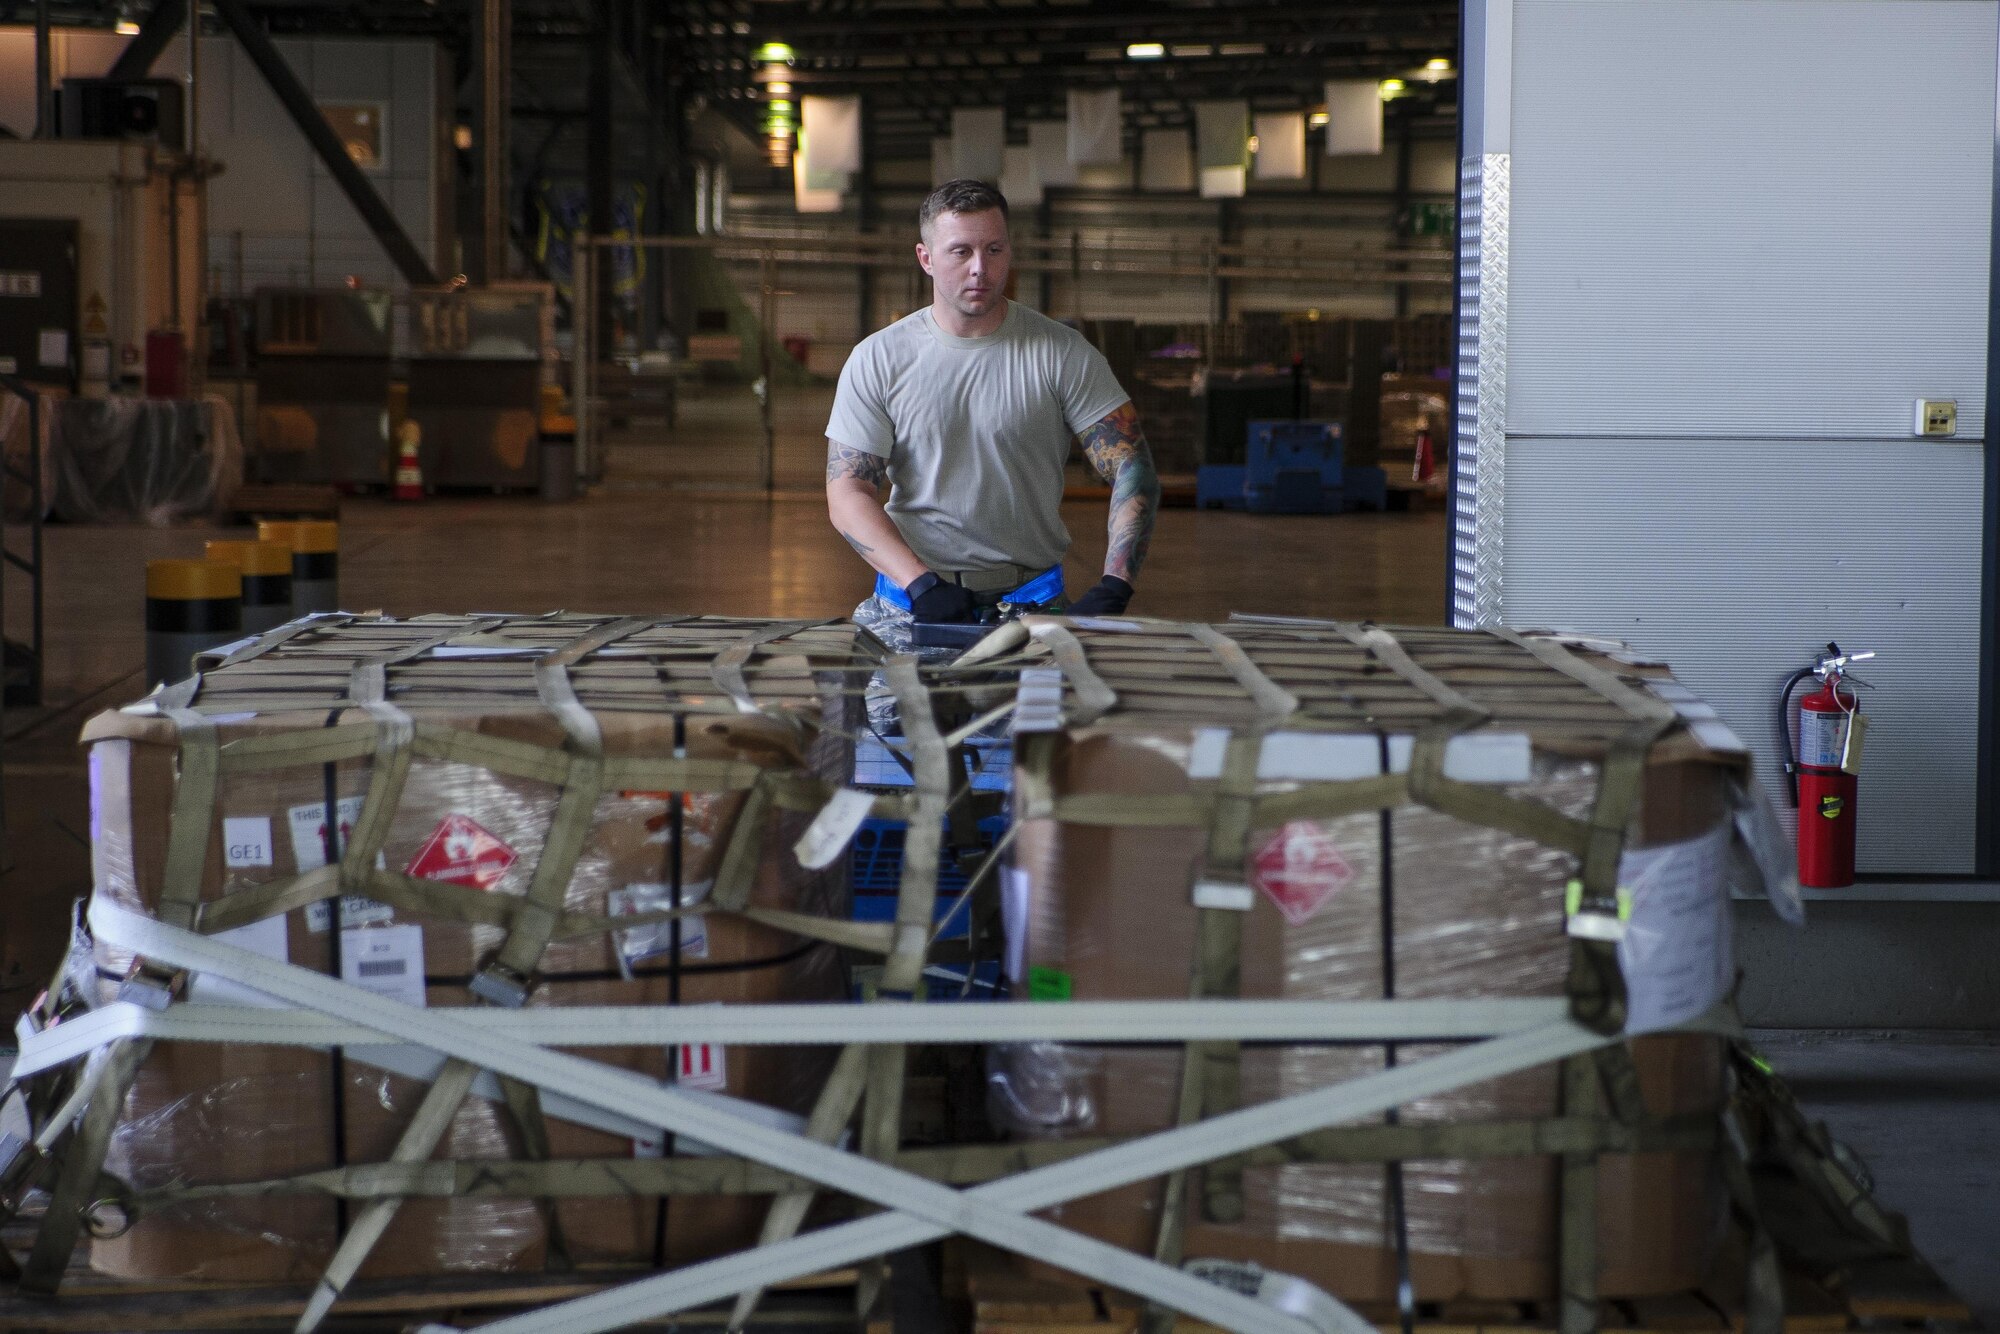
x=977, y=432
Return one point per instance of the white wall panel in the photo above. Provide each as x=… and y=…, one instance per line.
x=1749, y=217
x=1729, y=561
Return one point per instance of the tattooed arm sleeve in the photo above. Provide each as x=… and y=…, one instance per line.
x=1116, y=448
x=854, y=479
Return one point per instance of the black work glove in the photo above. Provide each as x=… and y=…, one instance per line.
x=934, y=599
x=1107, y=597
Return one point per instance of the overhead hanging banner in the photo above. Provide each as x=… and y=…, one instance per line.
x=814, y=192
x=1096, y=128
x=1019, y=180
x=1166, y=161
x=1222, y=148
x=833, y=126
x=1353, y=116
x=1281, y=146
x=1050, y=140
x=977, y=136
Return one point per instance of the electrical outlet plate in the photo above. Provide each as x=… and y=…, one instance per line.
x=1937, y=416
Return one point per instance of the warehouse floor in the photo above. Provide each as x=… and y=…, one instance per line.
x=1919, y=1108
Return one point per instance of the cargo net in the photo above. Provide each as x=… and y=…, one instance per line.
x=408, y=941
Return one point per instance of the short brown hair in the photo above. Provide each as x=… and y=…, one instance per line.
x=961, y=196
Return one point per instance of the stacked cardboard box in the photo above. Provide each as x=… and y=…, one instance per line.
x=1105, y=911
x=199, y=1114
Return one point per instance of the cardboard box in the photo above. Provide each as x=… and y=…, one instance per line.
x=200, y=1114
x=1476, y=913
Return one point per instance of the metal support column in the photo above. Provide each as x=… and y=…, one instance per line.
x=1403, y=221
x=45, y=118
x=292, y=95
x=865, y=223
x=495, y=28
x=597, y=174
x=1986, y=851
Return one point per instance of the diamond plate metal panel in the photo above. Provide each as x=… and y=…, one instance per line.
x=1479, y=505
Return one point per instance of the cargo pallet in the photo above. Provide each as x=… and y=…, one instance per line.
x=991, y=1192
x=819, y=1304
x=1884, y=1297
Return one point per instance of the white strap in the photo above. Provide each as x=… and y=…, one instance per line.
x=945, y=1210
x=802, y=1025
x=924, y=1210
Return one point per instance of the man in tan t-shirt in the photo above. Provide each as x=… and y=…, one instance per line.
x=967, y=409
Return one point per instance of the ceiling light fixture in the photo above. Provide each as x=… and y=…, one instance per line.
x=125, y=28
x=1145, y=51
x=778, y=88
x=1391, y=89
x=1317, y=119
x=1193, y=51
x=1438, y=63
x=775, y=52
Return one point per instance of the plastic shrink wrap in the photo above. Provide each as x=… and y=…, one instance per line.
x=1476, y=913
x=202, y=1114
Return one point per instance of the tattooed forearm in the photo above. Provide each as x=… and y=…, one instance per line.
x=859, y=464
x=857, y=543
x=1116, y=448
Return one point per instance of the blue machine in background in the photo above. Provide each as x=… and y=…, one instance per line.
x=1291, y=467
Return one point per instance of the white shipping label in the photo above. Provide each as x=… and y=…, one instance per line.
x=833, y=828
x=266, y=939
x=1822, y=738
x=1016, y=900
x=309, y=831
x=654, y=939
x=1038, y=700
x=1676, y=953
x=354, y=911
x=246, y=840
x=387, y=960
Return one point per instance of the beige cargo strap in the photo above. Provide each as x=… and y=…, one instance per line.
x=509, y=976
x=82, y=1158
x=1211, y=1072
x=284, y=634
x=1092, y=697
x=726, y=670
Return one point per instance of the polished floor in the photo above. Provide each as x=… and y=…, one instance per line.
x=663, y=537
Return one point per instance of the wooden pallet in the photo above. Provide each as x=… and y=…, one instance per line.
x=1889, y=1295
x=94, y=1302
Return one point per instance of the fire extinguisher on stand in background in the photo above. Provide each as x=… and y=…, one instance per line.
x=1822, y=769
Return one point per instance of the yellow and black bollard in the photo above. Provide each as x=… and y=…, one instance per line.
x=191, y=605
x=315, y=548
x=266, y=568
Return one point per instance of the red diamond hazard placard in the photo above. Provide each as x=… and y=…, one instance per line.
x=1299, y=870
x=461, y=852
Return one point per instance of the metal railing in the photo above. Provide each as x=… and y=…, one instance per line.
x=1078, y=258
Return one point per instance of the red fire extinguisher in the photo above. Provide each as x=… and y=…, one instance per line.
x=1824, y=767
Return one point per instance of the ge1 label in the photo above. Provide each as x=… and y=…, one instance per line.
x=246, y=840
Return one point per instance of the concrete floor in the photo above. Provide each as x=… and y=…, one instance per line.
x=1921, y=1109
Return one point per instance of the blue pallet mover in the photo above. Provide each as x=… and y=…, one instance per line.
x=1292, y=467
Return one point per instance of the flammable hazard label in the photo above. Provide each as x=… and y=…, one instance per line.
x=1300, y=869
x=462, y=852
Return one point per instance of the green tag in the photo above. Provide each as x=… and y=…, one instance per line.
x=1048, y=984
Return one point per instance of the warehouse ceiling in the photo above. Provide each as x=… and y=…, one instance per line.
x=913, y=61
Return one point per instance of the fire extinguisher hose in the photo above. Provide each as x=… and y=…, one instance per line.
x=1785, y=730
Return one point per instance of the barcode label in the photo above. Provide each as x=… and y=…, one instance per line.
x=387, y=960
